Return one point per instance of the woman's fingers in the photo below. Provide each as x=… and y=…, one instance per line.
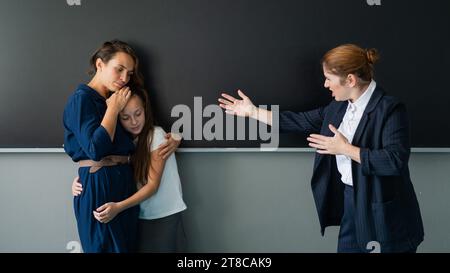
x=97, y=217
x=77, y=187
x=128, y=95
x=228, y=97
x=177, y=137
x=319, y=137
x=124, y=93
x=101, y=218
x=167, y=147
x=242, y=95
x=227, y=102
x=316, y=140
x=333, y=129
x=101, y=208
x=123, y=90
x=163, y=146
x=105, y=212
x=227, y=107
x=165, y=152
x=317, y=146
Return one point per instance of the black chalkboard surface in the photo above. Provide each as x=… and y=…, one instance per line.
x=199, y=48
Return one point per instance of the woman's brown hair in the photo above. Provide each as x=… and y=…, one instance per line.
x=107, y=51
x=351, y=59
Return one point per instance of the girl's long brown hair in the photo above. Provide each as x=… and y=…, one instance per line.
x=141, y=158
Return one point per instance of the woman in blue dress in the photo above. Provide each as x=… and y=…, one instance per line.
x=95, y=140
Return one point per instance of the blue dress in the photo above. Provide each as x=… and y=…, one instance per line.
x=85, y=138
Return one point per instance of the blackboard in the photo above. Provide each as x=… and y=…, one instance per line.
x=271, y=49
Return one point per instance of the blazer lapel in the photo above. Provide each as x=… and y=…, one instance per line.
x=361, y=126
x=376, y=96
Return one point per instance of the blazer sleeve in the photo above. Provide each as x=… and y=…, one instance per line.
x=394, y=155
x=302, y=122
x=82, y=119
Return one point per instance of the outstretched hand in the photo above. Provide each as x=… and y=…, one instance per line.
x=243, y=107
x=329, y=145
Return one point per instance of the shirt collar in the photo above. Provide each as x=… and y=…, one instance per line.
x=363, y=100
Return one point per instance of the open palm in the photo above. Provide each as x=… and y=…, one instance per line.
x=233, y=106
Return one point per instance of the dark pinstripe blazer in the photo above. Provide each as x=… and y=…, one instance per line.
x=386, y=207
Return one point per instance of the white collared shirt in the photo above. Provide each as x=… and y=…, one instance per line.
x=348, y=127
